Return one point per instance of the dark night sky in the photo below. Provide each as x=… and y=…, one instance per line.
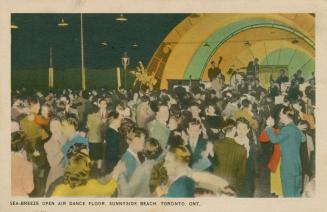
x=38, y=32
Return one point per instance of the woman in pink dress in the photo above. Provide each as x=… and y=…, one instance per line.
x=21, y=169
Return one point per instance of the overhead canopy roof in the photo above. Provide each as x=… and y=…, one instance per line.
x=276, y=39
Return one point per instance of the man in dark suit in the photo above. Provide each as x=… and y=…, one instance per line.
x=213, y=71
x=230, y=157
x=282, y=77
x=113, y=142
x=297, y=78
x=200, y=148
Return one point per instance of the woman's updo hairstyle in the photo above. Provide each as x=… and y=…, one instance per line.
x=244, y=121
x=78, y=170
x=287, y=110
x=152, y=149
x=181, y=153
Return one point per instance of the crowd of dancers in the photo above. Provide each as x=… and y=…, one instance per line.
x=244, y=140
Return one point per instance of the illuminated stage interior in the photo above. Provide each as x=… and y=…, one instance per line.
x=275, y=39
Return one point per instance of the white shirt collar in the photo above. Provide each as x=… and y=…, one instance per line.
x=134, y=155
x=193, y=143
x=102, y=112
x=244, y=142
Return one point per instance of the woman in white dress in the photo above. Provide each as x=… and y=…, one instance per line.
x=54, y=152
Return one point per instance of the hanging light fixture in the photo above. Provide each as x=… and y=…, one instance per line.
x=121, y=18
x=104, y=44
x=13, y=26
x=247, y=43
x=62, y=23
x=295, y=41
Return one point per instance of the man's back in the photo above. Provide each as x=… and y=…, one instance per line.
x=143, y=113
x=231, y=162
x=158, y=131
x=252, y=68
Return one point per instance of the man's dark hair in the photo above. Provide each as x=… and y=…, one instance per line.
x=136, y=132
x=175, y=110
x=194, y=121
x=155, y=105
x=229, y=124
x=193, y=103
x=125, y=127
x=196, y=90
x=175, y=139
x=112, y=116
x=186, y=116
x=246, y=103
x=85, y=94
x=153, y=150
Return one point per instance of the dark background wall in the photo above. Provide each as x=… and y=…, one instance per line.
x=67, y=78
x=37, y=33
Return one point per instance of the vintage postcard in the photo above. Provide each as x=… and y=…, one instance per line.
x=163, y=106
